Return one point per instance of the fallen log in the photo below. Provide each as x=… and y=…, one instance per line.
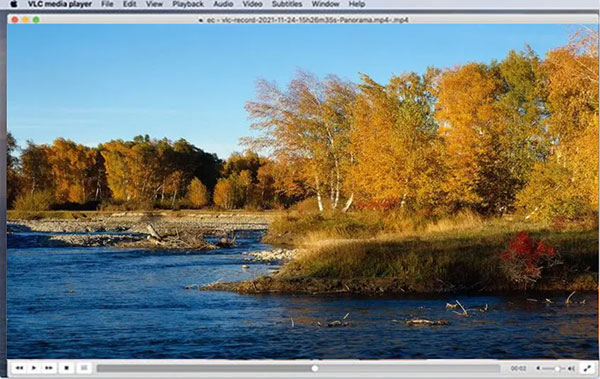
x=153, y=232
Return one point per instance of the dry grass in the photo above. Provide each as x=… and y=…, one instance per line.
x=464, y=220
x=455, y=253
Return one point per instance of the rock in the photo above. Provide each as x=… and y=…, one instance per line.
x=337, y=323
x=245, y=266
x=418, y=321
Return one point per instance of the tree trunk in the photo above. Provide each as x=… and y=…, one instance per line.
x=331, y=190
x=318, y=190
x=153, y=232
x=337, y=185
x=97, y=196
x=173, y=200
x=319, y=201
x=348, y=203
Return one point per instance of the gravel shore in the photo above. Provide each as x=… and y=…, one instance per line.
x=131, y=230
x=277, y=254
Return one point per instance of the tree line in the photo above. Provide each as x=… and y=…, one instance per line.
x=142, y=173
x=519, y=133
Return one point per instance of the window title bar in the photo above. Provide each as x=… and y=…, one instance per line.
x=296, y=18
x=572, y=6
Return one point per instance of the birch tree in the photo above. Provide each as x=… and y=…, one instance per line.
x=306, y=126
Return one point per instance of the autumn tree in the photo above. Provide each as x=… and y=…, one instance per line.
x=307, y=126
x=36, y=168
x=224, y=195
x=173, y=185
x=465, y=111
x=266, y=186
x=72, y=166
x=492, y=121
x=149, y=170
x=100, y=189
x=566, y=183
x=238, y=162
x=197, y=194
x=246, y=189
x=131, y=168
x=394, y=142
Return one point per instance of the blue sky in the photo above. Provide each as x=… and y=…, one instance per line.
x=94, y=83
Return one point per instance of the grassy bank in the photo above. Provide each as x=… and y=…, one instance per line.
x=363, y=253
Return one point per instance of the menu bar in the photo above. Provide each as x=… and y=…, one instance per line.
x=294, y=18
x=573, y=6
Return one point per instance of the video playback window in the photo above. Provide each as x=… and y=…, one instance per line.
x=302, y=191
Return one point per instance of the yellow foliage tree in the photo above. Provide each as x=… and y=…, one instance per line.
x=71, y=169
x=197, y=194
x=393, y=139
x=466, y=113
x=224, y=194
x=567, y=183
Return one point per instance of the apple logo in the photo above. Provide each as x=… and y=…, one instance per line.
x=14, y=4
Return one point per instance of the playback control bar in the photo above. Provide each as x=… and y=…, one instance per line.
x=302, y=368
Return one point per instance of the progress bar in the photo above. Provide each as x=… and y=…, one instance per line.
x=294, y=368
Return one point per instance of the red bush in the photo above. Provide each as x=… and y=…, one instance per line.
x=525, y=258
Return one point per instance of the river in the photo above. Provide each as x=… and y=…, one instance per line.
x=110, y=303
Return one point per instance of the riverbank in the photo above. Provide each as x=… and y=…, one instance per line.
x=460, y=256
x=354, y=253
x=174, y=230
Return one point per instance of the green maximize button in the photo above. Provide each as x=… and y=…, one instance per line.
x=36, y=19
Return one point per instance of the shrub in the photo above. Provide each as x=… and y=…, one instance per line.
x=34, y=201
x=310, y=205
x=524, y=259
x=197, y=194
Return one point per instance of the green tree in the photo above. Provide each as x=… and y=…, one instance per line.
x=492, y=120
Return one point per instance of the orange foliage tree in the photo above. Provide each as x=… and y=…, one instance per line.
x=72, y=166
x=395, y=149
